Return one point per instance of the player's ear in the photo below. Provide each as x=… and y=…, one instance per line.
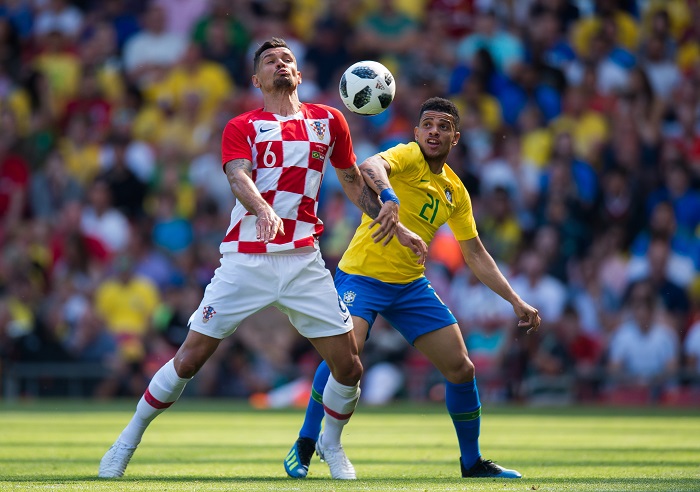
x=256, y=82
x=415, y=133
x=456, y=138
x=298, y=77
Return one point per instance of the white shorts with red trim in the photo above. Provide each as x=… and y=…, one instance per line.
x=299, y=285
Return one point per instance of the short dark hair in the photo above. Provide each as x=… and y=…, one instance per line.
x=441, y=105
x=270, y=43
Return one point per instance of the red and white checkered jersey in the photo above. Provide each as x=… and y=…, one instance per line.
x=289, y=155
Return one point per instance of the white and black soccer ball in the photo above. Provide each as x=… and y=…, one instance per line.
x=367, y=87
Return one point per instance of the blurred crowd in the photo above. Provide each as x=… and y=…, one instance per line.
x=580, y=148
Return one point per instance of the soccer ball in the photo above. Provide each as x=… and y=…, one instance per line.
x=367, y=87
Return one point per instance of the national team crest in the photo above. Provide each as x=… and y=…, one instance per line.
x=349, y=297
x=448, y=194
x=319, y=128
x=207, y=313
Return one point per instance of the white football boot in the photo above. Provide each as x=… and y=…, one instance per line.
x=113, y=463
x=338, y=462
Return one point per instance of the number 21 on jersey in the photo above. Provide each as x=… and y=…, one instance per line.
x=430, y=209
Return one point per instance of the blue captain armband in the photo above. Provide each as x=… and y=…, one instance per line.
x=389, y=195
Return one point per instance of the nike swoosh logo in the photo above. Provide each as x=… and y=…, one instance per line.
x=425, y=181
x=346, y=319
x=263, y=130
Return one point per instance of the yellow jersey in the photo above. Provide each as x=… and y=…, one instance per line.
x=427, y=202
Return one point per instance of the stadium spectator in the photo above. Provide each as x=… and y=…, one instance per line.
x=539, y=288
x=386, y=31
x=526, y=87
x=547, y=46
x=473, y=95
x=21, y=15
x=91, y=341
x=14, y=181
x=682, y=257
x=90, y=105
x=456, y=17
x=660, y=26
x=508, y=170
x=570, y=177
x=499, y=227
x=565, y=365
x=101, y=221
x=61, y=68
x=80, y=148
x=328, y=52
x=10, y=48
x=121, y=18
x=660, y=274
x=51, y=188
x=620, y=203
x=664, y=75
x=505, y=49
x=643, y=351
x=224, y=24
x=217, y=47
x=181, y=15
x=126, y=189
x=126, y=303
x=151, y=51
x=58, y=16
x=678, y=190
x=606, y=11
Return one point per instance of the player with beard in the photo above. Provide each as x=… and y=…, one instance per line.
x=274, y=158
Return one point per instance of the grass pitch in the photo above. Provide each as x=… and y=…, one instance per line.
x=198, y=446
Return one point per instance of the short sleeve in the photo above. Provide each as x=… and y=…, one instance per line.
x=343, y=155
x=234, y=144
x=461, y=222
x=398, y=156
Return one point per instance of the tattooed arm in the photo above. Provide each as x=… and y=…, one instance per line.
x=386, y=216
x=375, y=170
x=268, y=223
x=359, y=193
x=375, y=173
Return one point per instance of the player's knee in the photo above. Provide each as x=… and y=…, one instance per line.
x=348, y=372
x=461, y=371
x=186, y=366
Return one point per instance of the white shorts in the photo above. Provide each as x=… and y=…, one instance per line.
x=299, y=285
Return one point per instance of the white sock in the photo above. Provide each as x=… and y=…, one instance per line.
x=164, y=390
x=339, y=402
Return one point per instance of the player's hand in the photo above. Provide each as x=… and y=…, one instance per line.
x=529, y=316
x=413, y=242
x=268, y=225
x=387, y=219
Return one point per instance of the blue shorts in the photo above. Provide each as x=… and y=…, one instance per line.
x=413, y=309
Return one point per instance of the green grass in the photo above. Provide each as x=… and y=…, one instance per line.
x=199, y=446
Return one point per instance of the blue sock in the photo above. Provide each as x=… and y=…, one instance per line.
x=463, y=404
x=314, y=410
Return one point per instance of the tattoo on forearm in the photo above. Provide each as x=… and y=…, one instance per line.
x=236, y=164
x=378, y=182
x=348, y=176
x=369, y=202
x=238, y=189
